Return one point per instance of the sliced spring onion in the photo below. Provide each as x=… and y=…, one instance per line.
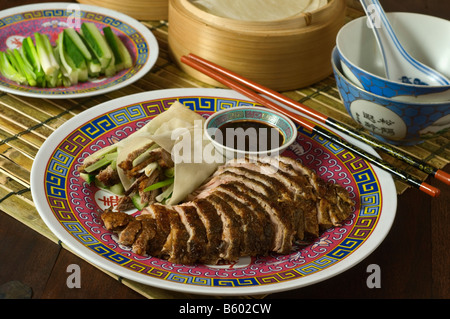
x=165, y=194
x=160, y=184
x=30, y=53
x=9, y=71
x=45, y=53
x=150, y=168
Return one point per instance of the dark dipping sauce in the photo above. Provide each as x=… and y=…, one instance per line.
x=249, y=136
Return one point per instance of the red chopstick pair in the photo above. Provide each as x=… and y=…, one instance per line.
x=245, y=86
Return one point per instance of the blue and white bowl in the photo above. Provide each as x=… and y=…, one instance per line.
x=426, y=38
x=390, y=120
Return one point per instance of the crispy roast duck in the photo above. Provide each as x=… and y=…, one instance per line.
x=248, y=207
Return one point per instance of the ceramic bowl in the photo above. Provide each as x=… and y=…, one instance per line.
x=259, y=124
x=425, y=37
x=390, y=120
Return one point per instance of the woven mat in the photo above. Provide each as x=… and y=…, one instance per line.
x=25, y=123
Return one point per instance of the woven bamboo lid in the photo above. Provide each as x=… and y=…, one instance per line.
x=283, y=55
x=138, y=9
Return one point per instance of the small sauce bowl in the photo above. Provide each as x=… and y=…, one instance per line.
x=250, y=131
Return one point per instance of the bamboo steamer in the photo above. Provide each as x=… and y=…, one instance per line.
x=138, y=9
x=283, y=55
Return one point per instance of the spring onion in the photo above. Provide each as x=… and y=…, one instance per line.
x=160, y=184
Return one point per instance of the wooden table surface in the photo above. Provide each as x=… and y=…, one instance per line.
x=414, y=259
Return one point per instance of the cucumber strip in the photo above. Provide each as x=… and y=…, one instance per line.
x=111, y=156
x=160, y=184
x=106, y=160
x=88, y=178
x=110, y=70
x=78, y=42
x=74, y=55
x=71, y=49
x=124, y=53
x=97, y=43
x=137, y=202
x=102, y=152
x=17, y=62
x=94, y=66
x=142, y=157
x=111, y=40
x=117, y=189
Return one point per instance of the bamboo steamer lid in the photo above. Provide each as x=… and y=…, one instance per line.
x=138, y=9
x=283, y=55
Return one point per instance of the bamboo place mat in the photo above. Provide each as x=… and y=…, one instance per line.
x=25, y=123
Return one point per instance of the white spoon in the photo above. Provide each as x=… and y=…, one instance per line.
x=399, y=65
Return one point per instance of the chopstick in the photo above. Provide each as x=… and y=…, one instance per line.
x=344, y=128
x=216, y=74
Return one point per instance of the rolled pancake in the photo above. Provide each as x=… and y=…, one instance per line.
x=179, y=131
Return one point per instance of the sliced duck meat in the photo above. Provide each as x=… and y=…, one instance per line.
x=175, y=247
x=196, y=242
x=115, y=221
x=127, y=164
x=108, y=176
x=160, y=214
x=128, y=235
x=263, y=227
x=214, y=228
x=251, y=226
x=247, y=208
x=147, y=232
x=231, y=228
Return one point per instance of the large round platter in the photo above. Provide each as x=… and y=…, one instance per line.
x=70, y=208
x=51, y=18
